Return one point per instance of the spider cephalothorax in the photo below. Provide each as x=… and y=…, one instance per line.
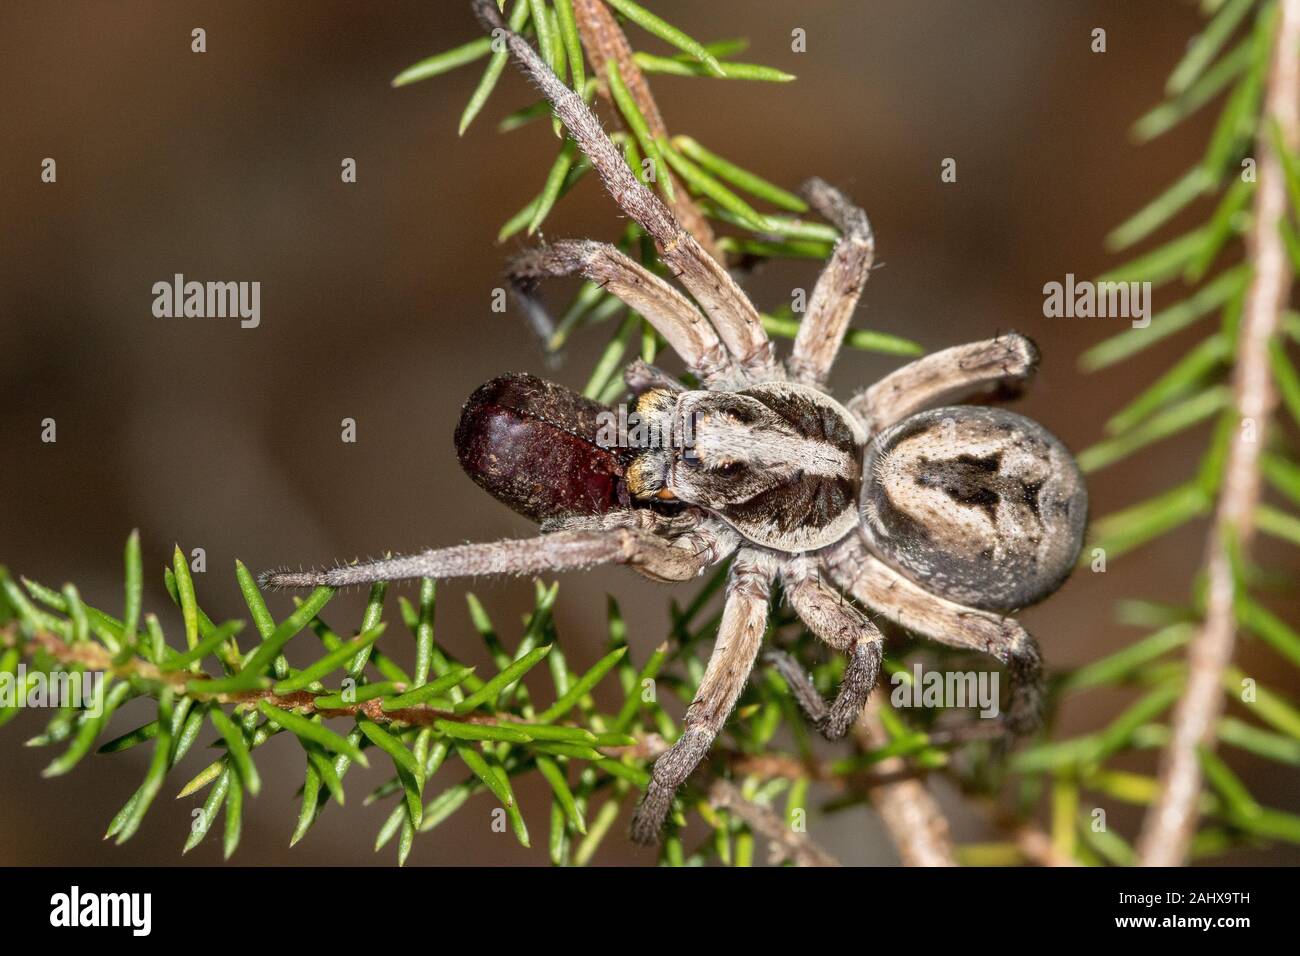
x=936, y=518
x=779, y=461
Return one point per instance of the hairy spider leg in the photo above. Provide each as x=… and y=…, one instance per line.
x=744, y=620
x=834, y=298
x=734, y=316
x=881, y=588
x=677, y=559
x=1006, y=363
x=673, y=316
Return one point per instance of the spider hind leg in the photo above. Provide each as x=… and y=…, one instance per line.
x=744, y=619
x=842, y=627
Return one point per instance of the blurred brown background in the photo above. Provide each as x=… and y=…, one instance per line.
x=375, y=306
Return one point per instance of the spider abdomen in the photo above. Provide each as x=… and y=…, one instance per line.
x=982, y=506
x=532, y=445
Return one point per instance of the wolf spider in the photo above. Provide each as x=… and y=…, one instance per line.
x=936, y=516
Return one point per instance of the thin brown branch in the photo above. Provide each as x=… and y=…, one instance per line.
x=774, y=766
x=912, y=816
x=1171, y=822
x=96, y=657
x=787, y=843
x=1036, y=847
x=604, y=40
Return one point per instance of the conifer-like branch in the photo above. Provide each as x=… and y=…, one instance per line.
x=914, y=819
x=1170, y=824
x=604, y=42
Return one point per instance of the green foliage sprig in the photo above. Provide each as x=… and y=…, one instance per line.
x=1215, y=270
x=594, y=760
x=718, y=186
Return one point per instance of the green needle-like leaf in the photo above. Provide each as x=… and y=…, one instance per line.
x=1203, y=49
x=134, y=590
x=572, y=43
x=1279, y=524
x=563, y=795
x=496, y=65
x=854, y=338
x=105, y=702
x=668, y=33
x=424, y=630
x=1136, y=525
x=200, y=825
x=1210, y=84
x=1195, y=182
x=444, y=62
x=573, y=735
x=1169, y=422
x=435, y=688
x=1287, y=378
x=1262, y=743
x=130, y=739
x=185, y=591
x=441, y=807
x=705, y=184
x=154, y=776
x=392, y=746
x=306, y=729
x=237, y=747
x=611, y=359
x=257, y=608
x=1283, y=475
x=640, y=127
x=730, y=70
x=1270, y=628
x=1228, y=784
x=268, y=650
x=489, y=691
x=234, y=822
x=517, y=825
x=1183, y=377
x=742, y=178
x=329, y=663
x=1168, y=321
x=499, y=786
x=581, y=687
x=465, y=731
x=203, y=648
x=554, y=184
x=1124, y=663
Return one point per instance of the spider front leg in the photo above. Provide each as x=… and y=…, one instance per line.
x=737, y=321
x=678, y=559
x=640, y=376
x=1007, y=363
x=845, y=629
x=673, y=315
x=838, y=287
x=910, y=606
x=744, y=619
